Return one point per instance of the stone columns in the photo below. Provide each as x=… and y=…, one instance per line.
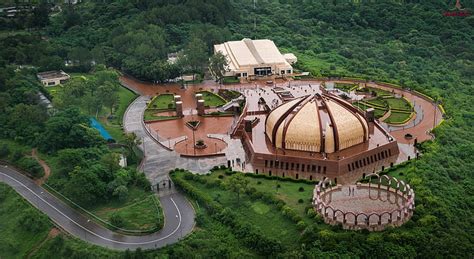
x=200, y=104
x=179, y=105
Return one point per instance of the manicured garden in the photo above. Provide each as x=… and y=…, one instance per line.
x=212, y=99
x=401, y=109
x=162, y=102
x=151, y=115
x=345, y=87
x=230, y=80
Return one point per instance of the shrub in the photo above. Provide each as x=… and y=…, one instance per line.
x=311, y=213
x=17, y=155
x=32, y=221
x=121, y=193
x=301, y=225
x=259, y=182
x=4, y=151
x=31, y=166
x=220, y=176
x=200, y=218
x=300, y=201
x=116, y=220
x=223, y=167
x=215, y=168
x=301, y=189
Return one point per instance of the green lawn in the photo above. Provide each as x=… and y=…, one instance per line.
x=230, y=80
x=268, y=218
x=125, y=99
x=211, y=99
x=288, y=191
x=163, y=102
x=141, y=211
x=378, y=102
x=150, y=115
x=397, y=117
x=377, y=112
x=399, y=103
x=345, y=87
x=22, y=227
x=380, y=92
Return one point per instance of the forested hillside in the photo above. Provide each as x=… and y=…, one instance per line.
x=406, y=42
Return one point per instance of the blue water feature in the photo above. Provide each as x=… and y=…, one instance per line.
x=96, y=125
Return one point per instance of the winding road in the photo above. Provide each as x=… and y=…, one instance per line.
x=178, y=212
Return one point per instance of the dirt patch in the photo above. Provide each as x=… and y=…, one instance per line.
x=46, y=168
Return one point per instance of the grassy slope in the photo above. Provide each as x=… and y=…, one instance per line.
x=15, y=240
x=139, y=211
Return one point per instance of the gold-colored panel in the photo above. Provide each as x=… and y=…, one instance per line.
x=303, y=131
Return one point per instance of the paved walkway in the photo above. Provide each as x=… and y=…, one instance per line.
x=158, y=160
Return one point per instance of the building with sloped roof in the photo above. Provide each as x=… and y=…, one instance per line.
x=255, y=58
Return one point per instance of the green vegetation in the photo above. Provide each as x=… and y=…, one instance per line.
x=230, y=80
x=151, y=115
x=162, y=102
x=228, y=95
x=139, y=211
x=346, y=87
x=22, y=226
x=399, y=104
x=398, y=117
x=212, y=99
x=408, y=43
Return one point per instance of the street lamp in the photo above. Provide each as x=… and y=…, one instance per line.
x=194, y=143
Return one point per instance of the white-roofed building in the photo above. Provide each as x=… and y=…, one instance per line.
x=251, y=58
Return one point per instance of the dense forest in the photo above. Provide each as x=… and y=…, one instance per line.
x=406, y=42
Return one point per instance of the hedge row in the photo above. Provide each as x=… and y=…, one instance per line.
x=248, y=234
x=273, y=177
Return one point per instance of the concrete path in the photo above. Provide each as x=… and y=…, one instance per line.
x=159, y=160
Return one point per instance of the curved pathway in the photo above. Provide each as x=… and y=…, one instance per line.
x=179, y=217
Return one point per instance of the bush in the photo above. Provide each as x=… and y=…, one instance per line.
x=215, y=168
x=116, y=220
x=300, y=201
x=31, y=166
x=223, y=167
x=121, y=193
x=32, y=221
x=259, y=182
x=311, y=213
x=301, y=189
x=17, y=155
x=220, y=176
x=301, y=225
x=4, y=151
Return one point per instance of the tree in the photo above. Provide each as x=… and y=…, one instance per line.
x=109, y=95
x=238, y=184
x=84, y=187
x=195, y=55
x=131, y=140
x=218, y=65
x=121, y=192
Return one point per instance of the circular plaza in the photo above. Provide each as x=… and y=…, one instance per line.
x=379, y=202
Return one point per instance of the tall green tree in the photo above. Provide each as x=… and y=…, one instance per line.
x=238, y=184
x=195, y=55
x=218, y=65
